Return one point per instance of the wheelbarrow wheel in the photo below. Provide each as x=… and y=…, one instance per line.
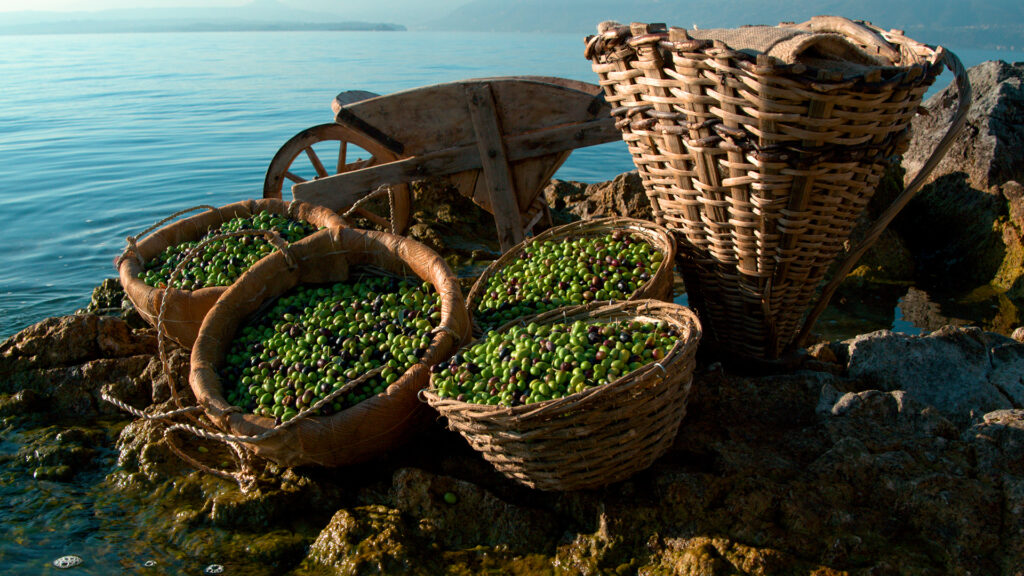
x=298, y=161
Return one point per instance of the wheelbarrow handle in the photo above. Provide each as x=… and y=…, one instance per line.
x=963, y=88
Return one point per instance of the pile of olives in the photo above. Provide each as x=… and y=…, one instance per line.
x=538, y=362
x=315, y=339
x=564, y=272
x=222, y=261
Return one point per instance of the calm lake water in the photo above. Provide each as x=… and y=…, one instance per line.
x=103, y=135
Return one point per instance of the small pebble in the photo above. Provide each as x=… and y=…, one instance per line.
x=70, y=561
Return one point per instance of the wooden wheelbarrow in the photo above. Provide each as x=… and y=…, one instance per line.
x=516, y=131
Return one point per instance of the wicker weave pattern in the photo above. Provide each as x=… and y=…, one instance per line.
x=761, y=168
x=595, y=437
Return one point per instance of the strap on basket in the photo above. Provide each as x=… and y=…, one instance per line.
x=132, y=241
x=963, y=88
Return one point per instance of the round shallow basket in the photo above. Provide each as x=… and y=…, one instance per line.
x=185, y=309
x=760, y=147
x=657, y=287
x=360, y=432
x=595, y=437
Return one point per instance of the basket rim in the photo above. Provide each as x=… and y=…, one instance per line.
x=637, y=309
x=129, y=268
x=616, y=41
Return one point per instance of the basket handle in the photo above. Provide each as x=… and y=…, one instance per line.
x=963, y=88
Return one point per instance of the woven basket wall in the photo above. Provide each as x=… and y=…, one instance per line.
x=760, y=168
x=595, y=437
x=657, y=287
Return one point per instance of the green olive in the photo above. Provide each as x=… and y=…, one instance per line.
x=314, y=339
x=222, y=261
x=561, y=272
x=534, y=363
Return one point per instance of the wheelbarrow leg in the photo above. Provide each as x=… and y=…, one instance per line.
x=494, y=161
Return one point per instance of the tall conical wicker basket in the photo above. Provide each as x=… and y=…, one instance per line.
x=760, y=147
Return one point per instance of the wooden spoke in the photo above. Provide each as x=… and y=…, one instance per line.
x=298, y=162
x=378, y=220
x=315, y=160
x=342, y=153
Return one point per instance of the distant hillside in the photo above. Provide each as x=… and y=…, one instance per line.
x=989, y=24
x=257, y=15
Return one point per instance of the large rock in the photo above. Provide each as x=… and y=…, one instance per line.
x=989, y=149
x=965, y=227
x=68, y=362
x=623, y=196
x=962, y=372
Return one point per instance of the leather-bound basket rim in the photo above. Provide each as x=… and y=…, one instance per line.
x=516, y=439
x=410, y=257
x=658, y=286
x=182, y=325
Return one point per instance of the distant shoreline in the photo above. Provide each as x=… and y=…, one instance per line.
x=150, y=27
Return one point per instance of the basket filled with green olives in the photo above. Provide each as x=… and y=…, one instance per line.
x=192, y=261
x=316, y=355
x=604, y=259
x=576, y=397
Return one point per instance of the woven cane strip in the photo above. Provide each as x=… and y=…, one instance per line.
x=595, y=437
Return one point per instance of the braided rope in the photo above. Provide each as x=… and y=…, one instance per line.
x=380, y=191
x=132, y=241
x=125, y=407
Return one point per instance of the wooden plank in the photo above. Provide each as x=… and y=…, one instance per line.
x=342, y=190
x=430, y=118
x=494, y=161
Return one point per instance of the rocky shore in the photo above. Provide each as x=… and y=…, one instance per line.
x=880, y=454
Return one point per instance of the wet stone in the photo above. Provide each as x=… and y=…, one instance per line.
x=70, y=561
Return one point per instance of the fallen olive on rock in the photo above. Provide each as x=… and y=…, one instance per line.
x=538, y=362
x=564, y=272
x=222, y=261
x=315, y=339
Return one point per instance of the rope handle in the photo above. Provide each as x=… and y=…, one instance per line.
x=242, y=476
x=132, y=241
x=383, y=189
x=963, y=88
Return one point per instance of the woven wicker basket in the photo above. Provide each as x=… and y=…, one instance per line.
x=657, y=287
x=595, y=437
x=762, y=167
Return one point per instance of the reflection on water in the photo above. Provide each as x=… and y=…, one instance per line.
x=910, y=310
x=863, y=307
